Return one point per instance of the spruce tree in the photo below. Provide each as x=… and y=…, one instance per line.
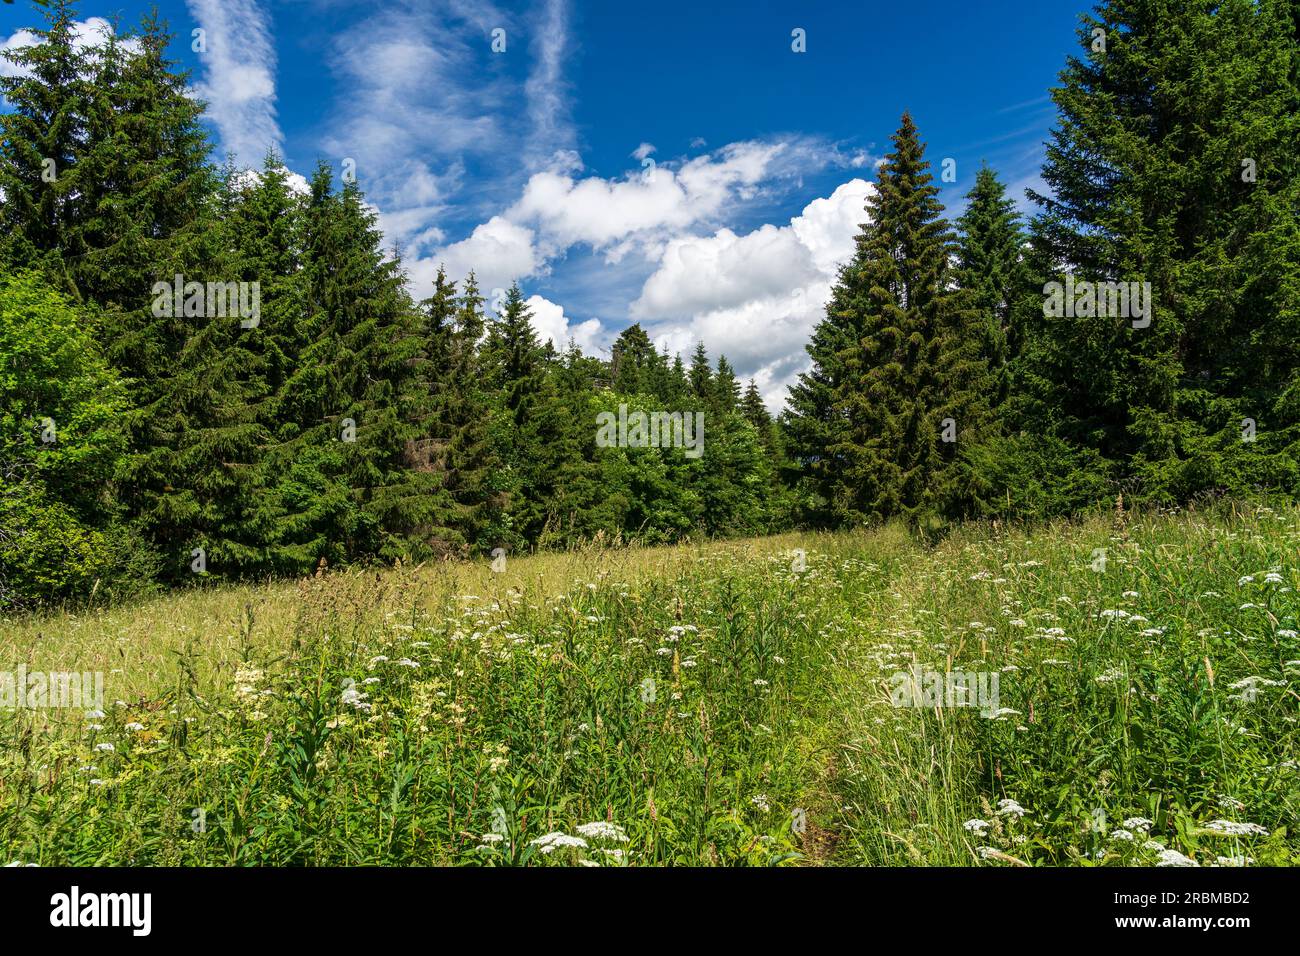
x=1175, y=163
x=814, y=423
x=475, y=479
x=42, y=139
x=912, y=381
x=514, y=368
x=726, y=390
x=633, y=362
x=352, y=490
x=701, y=374
x=989, y=267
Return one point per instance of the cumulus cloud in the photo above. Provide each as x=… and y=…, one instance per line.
x=701, y=274
x=295, y=182
x=87, y=34
x=497, y=251
x=615, y=216
x=551, y=323
x=642, y=212
x=754, y=297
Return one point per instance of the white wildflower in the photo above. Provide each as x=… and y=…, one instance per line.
x=1230, y=828
x=600, y=830
x=548, y=842
x=1010, y=808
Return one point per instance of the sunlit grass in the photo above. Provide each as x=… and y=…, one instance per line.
x=723, y=703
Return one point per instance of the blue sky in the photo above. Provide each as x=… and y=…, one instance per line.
x=668, y=164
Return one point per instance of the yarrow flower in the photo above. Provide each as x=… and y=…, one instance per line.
x=355, y=699
x=549, y=842
x=1010, y=808
x=977, y=827
x=600, y=830
x=1174, y=858
x=1230, y=828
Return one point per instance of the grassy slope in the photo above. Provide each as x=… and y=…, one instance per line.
x=557, y=693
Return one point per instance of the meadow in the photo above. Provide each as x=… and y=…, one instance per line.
x=722, y=703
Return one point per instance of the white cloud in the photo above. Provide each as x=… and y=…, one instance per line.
x=86, y=34
x=647, y=207
x=545, y=90
x=755, y=297
x=239, y=77
x=498, y=251
x=295, y=182
x=551, y=323
x=700, y=274
x=559, y=209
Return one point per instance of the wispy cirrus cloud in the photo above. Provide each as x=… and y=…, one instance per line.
x=546, y=91
x=432, y=107
x=238, y=77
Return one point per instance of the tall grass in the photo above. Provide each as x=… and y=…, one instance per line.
x=705, y=704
